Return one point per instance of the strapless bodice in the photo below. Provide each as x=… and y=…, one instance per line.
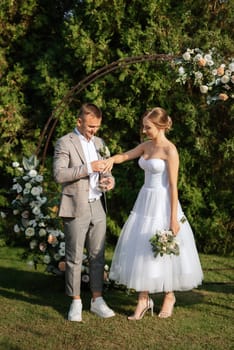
x=155, y=172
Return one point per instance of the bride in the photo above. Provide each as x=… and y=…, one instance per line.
x=156, y=208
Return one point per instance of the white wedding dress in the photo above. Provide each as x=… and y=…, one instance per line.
x=133, y=263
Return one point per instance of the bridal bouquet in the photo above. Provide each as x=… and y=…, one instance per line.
x=164, y=242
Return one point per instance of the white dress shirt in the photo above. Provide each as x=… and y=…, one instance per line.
x=90, y=155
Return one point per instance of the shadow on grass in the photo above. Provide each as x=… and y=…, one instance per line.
x=33, y=287
x=48, y=290
x=219, y=287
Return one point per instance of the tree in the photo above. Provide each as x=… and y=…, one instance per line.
x=48, y=46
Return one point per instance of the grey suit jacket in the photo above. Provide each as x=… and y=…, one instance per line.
x=70, y=170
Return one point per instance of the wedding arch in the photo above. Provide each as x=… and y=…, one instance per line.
x=83, y=84
x=212, y=74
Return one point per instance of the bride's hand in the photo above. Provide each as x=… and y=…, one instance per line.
x=108, y=164
x=175, y=227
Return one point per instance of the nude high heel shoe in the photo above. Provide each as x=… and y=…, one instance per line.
x=150, y=306
x=169, y=311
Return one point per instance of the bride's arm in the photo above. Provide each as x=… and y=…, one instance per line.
x=123, y=157
x=173, y=168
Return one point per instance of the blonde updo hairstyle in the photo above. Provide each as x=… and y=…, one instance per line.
x=159, y=117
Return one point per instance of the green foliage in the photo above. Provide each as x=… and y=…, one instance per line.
x=47, y=47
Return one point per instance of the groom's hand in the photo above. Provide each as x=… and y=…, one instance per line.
x=98, y=166
x=108, y=182
x=108, y=165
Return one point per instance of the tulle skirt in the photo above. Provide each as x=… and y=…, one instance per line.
x=134, y=264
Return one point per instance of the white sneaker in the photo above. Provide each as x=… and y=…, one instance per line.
x=100, y=308
x=75, y=312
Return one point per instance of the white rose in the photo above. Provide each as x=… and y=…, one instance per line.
x=15, y=211
x=32, y=223
x=198, y=57
x=181, y=70
x=3, y=215
x=208, y=57
x=42, y=200
x=62, y=235
x=57, y=257
x=15, y=164
x=16, y=228
x=32, y=173
x=17, y=188
x=28, y=185
x=39, y=178
x=61, y=252
x=191, y=50
x=42, y=232
x=210, y=63
x=228, y=72
x=36, y=191
x=186, y=56
x=36, y=210
x=29, y=232
x=231, y=66
x=214, y=71
x=62, y=245
x=46, y=259
x=33, y=244
x=225, y=79
x=204, y=89
x=33, y=204
x=198, y=75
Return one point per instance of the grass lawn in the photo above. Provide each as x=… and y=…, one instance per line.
x=34, y=308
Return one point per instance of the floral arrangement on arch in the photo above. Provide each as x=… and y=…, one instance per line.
x=35, y=218
x=209, y=72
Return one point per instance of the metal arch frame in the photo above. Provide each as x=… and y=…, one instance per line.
x=84, y=83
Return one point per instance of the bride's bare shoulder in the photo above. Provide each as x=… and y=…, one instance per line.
x=171, y=148
x=146, y=144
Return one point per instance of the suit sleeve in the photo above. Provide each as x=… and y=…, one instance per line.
x=64, y=166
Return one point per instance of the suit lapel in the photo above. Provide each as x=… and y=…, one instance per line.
x=76, y=142
x=97, y=145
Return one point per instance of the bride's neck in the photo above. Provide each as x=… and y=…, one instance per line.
x=159, y=140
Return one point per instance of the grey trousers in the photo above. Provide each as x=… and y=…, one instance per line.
x=87, y=231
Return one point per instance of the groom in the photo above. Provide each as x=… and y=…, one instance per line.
x=77, y=166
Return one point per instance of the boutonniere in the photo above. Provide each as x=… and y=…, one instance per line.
x=104, y=152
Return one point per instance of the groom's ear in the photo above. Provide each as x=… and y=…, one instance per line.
x=79, y=121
